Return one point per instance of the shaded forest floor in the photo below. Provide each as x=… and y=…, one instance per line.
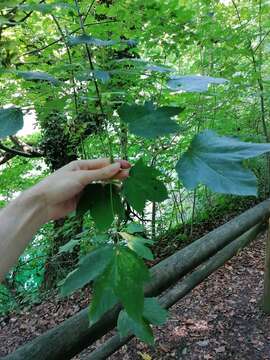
x=220, y=319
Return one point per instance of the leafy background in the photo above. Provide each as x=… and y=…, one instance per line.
x=94, y=77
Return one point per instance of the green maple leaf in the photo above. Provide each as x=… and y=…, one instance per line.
x=103, y=295
x=123, y=279
x=103, y=202
x=126, y=326
x=153, y=313
x=138, y=244
x=90, y=267
x=148, y=121
x=142, y=185
x=216, y=161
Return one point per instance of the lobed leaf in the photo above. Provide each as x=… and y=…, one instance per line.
x=130, y=276
x=216, y=161
x=90, y=267
x=123, y=279
x=148, y=121
x=103, y=202
x=142, y=185
x=153, y=312
x=103, y=294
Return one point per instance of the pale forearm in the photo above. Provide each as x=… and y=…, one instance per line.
x=51, y=199
x=19, y=222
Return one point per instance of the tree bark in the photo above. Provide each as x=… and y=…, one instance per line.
x=72, y=336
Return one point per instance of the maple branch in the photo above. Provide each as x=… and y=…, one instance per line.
x=70, y=62
x=22, y=19
x=60, y=39
x=89, y=10
x=28, y=152
x=261, y=42
x=15, y=7
x=7, y=156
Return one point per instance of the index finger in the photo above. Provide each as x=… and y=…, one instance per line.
x=89, y=164
x=96, y=164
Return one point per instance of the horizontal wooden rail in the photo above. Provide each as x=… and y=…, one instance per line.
x=73, y=335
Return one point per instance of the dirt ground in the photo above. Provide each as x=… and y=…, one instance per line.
x=220, y=319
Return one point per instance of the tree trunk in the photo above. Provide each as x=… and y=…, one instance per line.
x=72, y=336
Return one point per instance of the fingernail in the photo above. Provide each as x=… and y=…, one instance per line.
x=124, y=163
x=116, y=166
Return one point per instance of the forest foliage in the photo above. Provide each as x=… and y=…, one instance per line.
x=178, y=88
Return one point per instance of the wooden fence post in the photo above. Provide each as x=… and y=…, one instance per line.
x=265, y=304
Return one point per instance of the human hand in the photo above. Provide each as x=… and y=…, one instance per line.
x=60, y=191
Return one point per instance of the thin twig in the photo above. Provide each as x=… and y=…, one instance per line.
x=89, y=56
x=89, y=10
x=70, y=61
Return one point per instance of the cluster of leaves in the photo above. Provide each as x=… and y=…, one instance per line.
x=117, y=269
x=119, y=275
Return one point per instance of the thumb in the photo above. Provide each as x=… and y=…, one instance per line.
x=107, y=172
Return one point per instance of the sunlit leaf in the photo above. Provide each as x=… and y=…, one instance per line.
x=193, y=83
x=138, y=244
